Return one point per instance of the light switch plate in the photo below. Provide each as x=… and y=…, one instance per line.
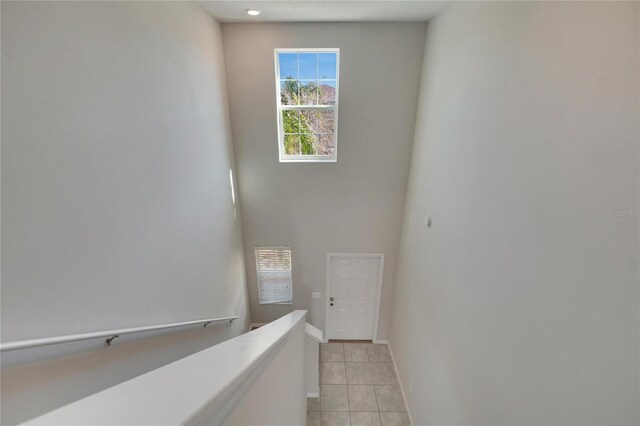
x=316, y=295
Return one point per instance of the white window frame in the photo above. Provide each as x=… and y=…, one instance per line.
x=255, y=251
x=284, y=158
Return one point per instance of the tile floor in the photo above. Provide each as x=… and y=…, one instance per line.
x=358, y=386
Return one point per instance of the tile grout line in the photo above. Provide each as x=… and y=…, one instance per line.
x=373, y=383
x=346, y=381
x=375, y=394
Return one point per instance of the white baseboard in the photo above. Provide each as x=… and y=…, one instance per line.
x=382, y=342
x=395, y=367
x=313, y=395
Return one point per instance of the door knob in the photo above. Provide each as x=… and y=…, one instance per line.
x=331, y=299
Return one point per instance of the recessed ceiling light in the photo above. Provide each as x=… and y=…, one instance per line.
x=253, y=12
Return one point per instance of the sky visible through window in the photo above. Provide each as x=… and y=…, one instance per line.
x=309, y=66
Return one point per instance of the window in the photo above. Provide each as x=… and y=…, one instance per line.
x=273, y=265
x=307, y=89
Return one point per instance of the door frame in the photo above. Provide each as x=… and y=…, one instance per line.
x=376, y=311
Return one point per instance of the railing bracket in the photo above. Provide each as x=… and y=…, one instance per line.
x=110, y=339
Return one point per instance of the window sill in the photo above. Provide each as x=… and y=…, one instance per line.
x=308, y=160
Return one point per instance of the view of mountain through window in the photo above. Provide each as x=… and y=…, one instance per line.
x=307, y=85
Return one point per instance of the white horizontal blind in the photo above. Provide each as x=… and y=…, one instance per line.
x=273, y=266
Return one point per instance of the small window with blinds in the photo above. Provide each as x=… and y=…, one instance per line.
x=273, y=266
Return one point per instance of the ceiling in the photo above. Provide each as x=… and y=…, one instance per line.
x=323, y=10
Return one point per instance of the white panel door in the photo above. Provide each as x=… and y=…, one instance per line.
x=352, y=292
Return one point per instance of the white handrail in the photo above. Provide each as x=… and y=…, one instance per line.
x=201, y=389
x=111, y=334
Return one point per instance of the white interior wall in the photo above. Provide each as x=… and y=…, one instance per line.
x=116, y=200
x=520, y=304
x=352, y=206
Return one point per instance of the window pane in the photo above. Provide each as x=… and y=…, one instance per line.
x=290, y=121
x=308, y=92
x=326, y=144
x=304, y=124
x=320, y=121
x=327, y=92
x=308, y=144
x=288, y=63
x=289, y=92
x=327, y=65
x=309, y=119
x=308, y=66
x=292, y=144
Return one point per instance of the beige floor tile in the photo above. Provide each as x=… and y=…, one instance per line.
x=371, y=397
x=378, y=353
x=333, y=418
x=332, y=352
x=365, y=418
x=313, y=418
x=355, y=352
x=313, y=404
x=333, y=373
x=334, y=398
x=362, y=398
x=359, y=373
x=389, y=398
x=383, y=373
x=394, y=419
